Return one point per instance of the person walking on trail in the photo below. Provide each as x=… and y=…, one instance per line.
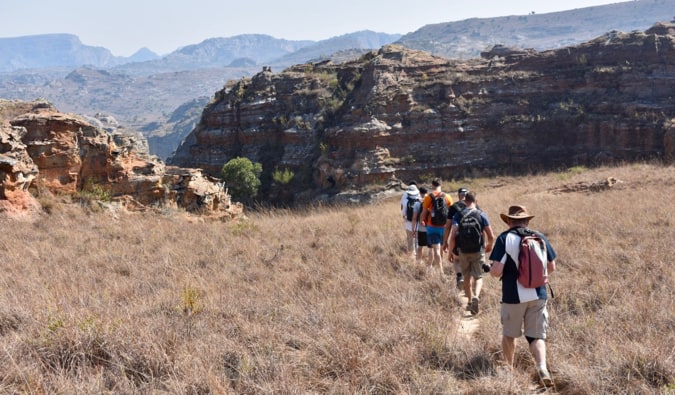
x=435, y=208
x=422, y=240
x=468, y=235
x=408, y=200
x=523, y=310
x=458, y=206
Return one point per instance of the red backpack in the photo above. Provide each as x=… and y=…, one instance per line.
x=532, y=259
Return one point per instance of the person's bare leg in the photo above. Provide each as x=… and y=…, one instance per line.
x=467, y=287
x=479, y=286
x=456, y=266
x=509, y=349
x=438, y=259
x=538, y=350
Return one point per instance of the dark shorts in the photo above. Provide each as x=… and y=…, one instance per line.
x=422, y=239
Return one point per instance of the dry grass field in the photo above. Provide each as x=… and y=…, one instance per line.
x=325, y=301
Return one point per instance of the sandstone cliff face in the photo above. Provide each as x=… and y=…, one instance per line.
x=406, y=114
x=41, y=148
x=17, y=172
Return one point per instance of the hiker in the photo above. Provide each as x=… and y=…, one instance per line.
x=523, y=309
x=410, y=196
x=458, y=206
x=468, y=236
x=435, y=208
x=422, y=239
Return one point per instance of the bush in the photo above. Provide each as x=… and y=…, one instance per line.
x=282, y=177
x=242, y=178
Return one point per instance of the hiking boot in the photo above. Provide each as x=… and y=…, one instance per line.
x=474, y=306
x=545, y=377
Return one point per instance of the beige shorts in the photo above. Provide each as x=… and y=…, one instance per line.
x=472, y=264
x=531, y=316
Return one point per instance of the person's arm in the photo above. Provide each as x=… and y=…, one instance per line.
x=446, y=234
x=496, y=258
x=451, y=241
x=497, y=269
x=551, y=255
x=490, y=238
x=415, y=220
x=425, y=210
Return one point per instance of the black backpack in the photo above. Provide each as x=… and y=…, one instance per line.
x=439, y=210
x=469, y=232
x=410, y=205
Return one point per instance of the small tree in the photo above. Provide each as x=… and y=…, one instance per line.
x=242, y=178
x=282, y=177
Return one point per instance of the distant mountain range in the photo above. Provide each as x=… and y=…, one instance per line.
x=66, y=50
x=144, y=90
x=60, y=50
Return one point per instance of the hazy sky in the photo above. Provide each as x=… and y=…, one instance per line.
x=124, y=26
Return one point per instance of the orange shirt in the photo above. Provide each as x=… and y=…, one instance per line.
x=427, y=204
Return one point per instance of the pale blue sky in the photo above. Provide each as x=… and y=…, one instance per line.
x=124, y=26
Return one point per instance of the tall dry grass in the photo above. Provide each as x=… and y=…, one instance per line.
x=326, y=301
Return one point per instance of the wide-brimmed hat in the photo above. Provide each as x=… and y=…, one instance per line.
x=516, y=212
x=412, y=190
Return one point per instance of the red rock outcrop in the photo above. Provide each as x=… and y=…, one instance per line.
x=66, y=154
x=403, y=113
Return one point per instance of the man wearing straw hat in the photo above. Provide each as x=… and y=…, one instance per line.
x=523, y=309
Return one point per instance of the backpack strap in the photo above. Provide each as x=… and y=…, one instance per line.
x=470, y=211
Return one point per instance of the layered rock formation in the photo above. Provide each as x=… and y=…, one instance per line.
x=407, y=114
x=42, y=149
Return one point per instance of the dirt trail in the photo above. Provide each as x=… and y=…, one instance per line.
x=468, y=325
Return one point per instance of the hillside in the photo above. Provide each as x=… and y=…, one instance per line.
x=466, y=39
x=296, y=302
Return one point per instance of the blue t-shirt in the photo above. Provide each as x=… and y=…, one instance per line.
x=506, y=250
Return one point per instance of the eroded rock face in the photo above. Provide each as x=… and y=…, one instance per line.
x=65, y=153
x=406, y=114
x=17, y=172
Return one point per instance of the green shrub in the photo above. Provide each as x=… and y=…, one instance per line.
x=93, y=192
x=282, y=177
x=242, y=178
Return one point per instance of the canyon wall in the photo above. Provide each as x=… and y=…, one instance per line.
x=399, y=114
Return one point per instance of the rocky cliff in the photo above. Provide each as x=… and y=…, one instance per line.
x=407, y=114
x=45, y=151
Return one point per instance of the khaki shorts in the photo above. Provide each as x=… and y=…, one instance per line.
x=532, y=316
x=472, y=264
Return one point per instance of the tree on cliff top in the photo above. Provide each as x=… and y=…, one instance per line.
x=242, y=178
